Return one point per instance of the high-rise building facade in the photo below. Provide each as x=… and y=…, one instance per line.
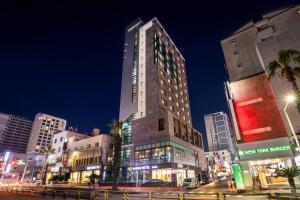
x=43, y=129
x=256, y=103
x=158, y=137
x=14, y=133
x=218, y=131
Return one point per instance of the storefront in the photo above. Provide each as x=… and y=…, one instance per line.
x=82, y=176
x=260, y=161
x=166, y=172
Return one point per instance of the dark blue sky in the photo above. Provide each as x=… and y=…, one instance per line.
x=65, y=58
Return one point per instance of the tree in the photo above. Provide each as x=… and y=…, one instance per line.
x=47, y=151
x=116, y=131
x=289, y=173
x=285, y=59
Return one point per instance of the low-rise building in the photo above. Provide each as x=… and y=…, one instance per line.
x=87, y=156
x=59, y=158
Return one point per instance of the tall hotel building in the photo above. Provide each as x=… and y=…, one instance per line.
x=256, y=104
x=43, y=129
x=14, y=133
x=219, y=132
x=159, y=141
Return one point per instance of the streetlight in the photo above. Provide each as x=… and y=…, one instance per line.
x=290, y=99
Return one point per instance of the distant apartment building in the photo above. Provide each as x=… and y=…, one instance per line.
x=159, y=141
x=256, y=104
x=14, y=133
x=218, y=131
x=87, y=156
x=59, y=159
x=43, y=129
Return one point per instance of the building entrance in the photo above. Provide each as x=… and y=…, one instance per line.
x=263, y=171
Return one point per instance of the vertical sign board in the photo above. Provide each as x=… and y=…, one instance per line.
x=238, y=177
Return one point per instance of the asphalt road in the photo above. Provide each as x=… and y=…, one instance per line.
x=140, y=196
x=14, y=196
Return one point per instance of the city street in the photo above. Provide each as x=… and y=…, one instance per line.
x=15, y=196
x=210, y=191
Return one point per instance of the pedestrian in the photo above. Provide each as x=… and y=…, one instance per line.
x=259, y=184
x=254, y=182
x=233, y=184
x=229, y=187
x=92, y=180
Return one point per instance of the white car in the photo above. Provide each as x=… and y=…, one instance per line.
x=190, y=183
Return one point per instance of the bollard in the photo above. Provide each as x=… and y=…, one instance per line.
x=224, y=196
x=150, y=197
x=53, y=194
x=44, y=193
x=180, y=196
x=92, y=194
x=125, y=195
x=277, y=196
x=269, y=195
x=218, y=196
x=77, y=196
x=65, y=195
x=105, y=195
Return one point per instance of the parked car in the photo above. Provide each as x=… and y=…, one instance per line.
x=190, y=183
x=154, y=183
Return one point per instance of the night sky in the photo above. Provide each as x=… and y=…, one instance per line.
x=65, y=58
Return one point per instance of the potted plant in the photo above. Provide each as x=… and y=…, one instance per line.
x=289, y=173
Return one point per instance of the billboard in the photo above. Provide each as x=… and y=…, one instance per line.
x=255, y=109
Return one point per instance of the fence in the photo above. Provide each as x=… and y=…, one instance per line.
x=79, y=193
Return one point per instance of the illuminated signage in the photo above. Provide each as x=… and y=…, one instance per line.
x=140, y=168
x=238, y=177
x=93, y=167
x=144, y=167
x=255, y=110
x=264, y=150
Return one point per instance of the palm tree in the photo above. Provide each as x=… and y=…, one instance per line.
x=47, y=151
x=285, y=57
x=116, y=131
x=289, y=173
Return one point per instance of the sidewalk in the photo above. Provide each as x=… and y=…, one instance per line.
x=120, y=188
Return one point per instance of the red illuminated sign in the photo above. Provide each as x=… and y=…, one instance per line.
x=256, y=110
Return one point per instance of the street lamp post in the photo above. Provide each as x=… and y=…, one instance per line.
x=289, y=100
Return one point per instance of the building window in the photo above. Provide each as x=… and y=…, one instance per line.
x=59, y=148
x=161, y=124
x=89, y=146
x=61, y=139
x=127, y=130
x=55, y=141
x=97, y=144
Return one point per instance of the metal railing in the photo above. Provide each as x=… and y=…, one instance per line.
x=80, y=193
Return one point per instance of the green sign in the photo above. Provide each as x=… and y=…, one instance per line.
x=264, y=150
x=238, y=177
